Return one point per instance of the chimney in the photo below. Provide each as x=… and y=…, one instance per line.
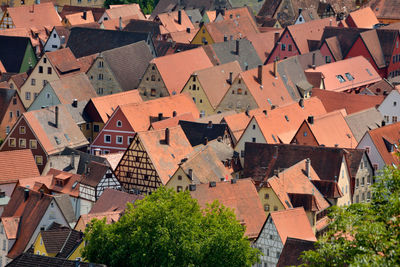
x=301, y=103
x=308, y=164
x=259, y=76
x=120, y=23
x=188, y=30
x=209, y=125
x=300, y=10
x=160, y=115
x=276, y=69
x=26, y=194
x=56, y=117
x=190, y=174
x=84, y=15
x=213, y=184
x=237, y=47
x=310, y=119
x=230, y=80
x=41, y=193
x=313, y=61
x=225, y=38
x=179, y=17
x=167, y=136
x=276, y=37
x=265, y=112
x=72, y=160
x=75, y=103
x=205, y=140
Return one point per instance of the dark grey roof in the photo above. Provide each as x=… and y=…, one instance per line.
x=306, y=60
x=247, y=58
x=65, y=204
x=147, y=26
x=77, y=112
x=6, y=96
x=363, y=121
x=194, y=15
x=12, y=52
x=196, y=132
x=84, y=157
x=164, y=47
x=29, y=260
x=255, y=5
x=128, y=63
x=88, y=41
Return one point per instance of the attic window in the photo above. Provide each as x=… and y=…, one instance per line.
x=75, y=184
x=269, y=101
x=340, y=78
x=349, y=76
x=273, y=137
x=287, y=118
x=67, y=137
x=57, y=140
x=369, y=72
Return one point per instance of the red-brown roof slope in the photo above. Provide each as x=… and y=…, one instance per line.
x=113, y=200
x=237, y=123
x=347, y=74
x=264, y=42
x=352, y=103
x=69, y=185
x=169, y=22
x=241, y=196
x=17, y=164
x=236, y=28
x=30, y=212
x=63, y=61
x=172, y=122
x=35, y=16
x=115, y=12
x=176, y=69
x=80, y=18
x=293, y=223
x=362, y=18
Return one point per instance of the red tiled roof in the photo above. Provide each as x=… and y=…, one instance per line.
x=264, y=42
x=117, y=11
x=17, y=164
x=362, y=18
x=112, y=200
x=78, y=18
x=172, y=122
x=34, y=16
x=70, y=186
x=169, y=22
x=236, y=27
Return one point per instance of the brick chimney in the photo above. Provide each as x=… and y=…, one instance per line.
x=259, y=76
x=237, y=47
x=167, y=136
x=179, y=16
x=56, y=117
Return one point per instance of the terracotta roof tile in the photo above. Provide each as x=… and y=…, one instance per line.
x=292, y=251
x=236, y=27
x=96, y=173
x=293, y=223
x=241, y=196
x=10, y=225
x=237, y=123
x=113, y=159
x=96, y=11
x=19, y=79
x=169, y=22
x=363, y=121
x=80, y=18
x=372, y=43
x=183, y=37
x=63, y=61
x=115, y=12
x=352, y=103
x=35, y=15
x=61, y=240
x=172, y=122
x=113, y=201
x=240, y=12
x=362, y=18
x=70, y=182
x=111, y=217
x=175, y=71
x=263, y=42
x=114, y=24
x=359, y=73
x=17, y=164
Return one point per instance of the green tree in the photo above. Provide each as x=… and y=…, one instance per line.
x=147, y=6
x=366, y=234
x=170, y=229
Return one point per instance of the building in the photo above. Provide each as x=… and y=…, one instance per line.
x=11, y=108
x=389, y=109
x=28, y=259
x=385, y=11
x=362, y=18
x=201, y=133
x=57, y=39
x=25, y=161
x=363, y=121
x=122, y=11
x=17, y=54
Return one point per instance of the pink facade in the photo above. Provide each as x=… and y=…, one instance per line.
x=393, y=69
x=115, y=136
x=285, y=48
x=327, y=53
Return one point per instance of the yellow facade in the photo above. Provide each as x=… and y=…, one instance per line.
x=194, y=88
x=39, y=248
x=77, y=254
x=202, y=36
x=269, y=200
x=86, y=129
x=94, y=125
x=344, y=185
x=179, y=181
x=87, y=3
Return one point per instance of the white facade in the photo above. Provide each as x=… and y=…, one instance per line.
x=373, y=154
x=54, y=42
x=390, y=107
x=300, y=19
x=90, y=193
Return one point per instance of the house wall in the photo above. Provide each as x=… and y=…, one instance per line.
x=393, y=69
x=39, y=80
x=40, y=249
x=326, y=52
x=286, y=39
x=53, y=43
x=102, y=78
x=6, y=21
x=86, y=129
x=199, y=96
x=390, y=107
x=269, y=243
x=5, y=245
x=109, y=180
x=202, y=35
x=234, y=101
x=89, y=3
x=344, y=185
x=373, y=154
x=152, y=85
x=77, y=254
x=174, y=182
x=304, y=136
x=8, y=121
x=126, y=131
x=29, y=60
x=364, y=180
x=269, y=198
x=46, y=97
x=15, y=134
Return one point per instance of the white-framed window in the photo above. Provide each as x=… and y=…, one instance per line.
x=7, y=129
x=12, y=142
x=22, y=130
x=107, y=138
x=39, y=160
x=119, y=139
x=119, y=123
x=27, y=95
x=22, y=143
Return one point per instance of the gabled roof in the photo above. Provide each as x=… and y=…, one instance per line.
x=164, y=48
x=363, y=121
x=63, y=61
x=255, y=5
x=361, y=73
x=269, y=8
x=240, y=196
x=306, y=60
x=128, y=63
x=217, y=117
x=362, y=18
x=55, y=139
x=387, y=141
x=293, y=223
x=111, y=217
x=331, y=130
x=225, y=52
x=12, y=52
x=261, y=160
x=73, y=87
x=354, y=158
x=240, y=12
x=184, y=37
x=113, y=159
x=175, y=70
x=137, y=25
x=169, y=22
x=30, y=212
x=172, y=122
x=197, y=132
x=88, y=41
x=237, y=123
x=292, y=251
x=71, y=182
x=36, y=35
x=385, y=9
x=96, y=11
x=83, y=158
x=35, y=15
x=121, y=11
x=112, y=200
x=371, y=41
x=17, y=164
x=309, y=14
x=19, y=79
x=215, y=80
x=96, y=173
x=106, y=105
x=165, y=157
x=28, y=259
x=235, y=28
x=6, y=97
x=263, y=42
x=294, y=188
x=352, y=103
x=61, y=240
x=80, y=18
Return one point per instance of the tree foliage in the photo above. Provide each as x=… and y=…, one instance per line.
x=170, y=229
x=147, y=6
x=366, y=234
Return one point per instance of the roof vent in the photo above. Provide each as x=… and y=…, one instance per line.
x=213, y=184
x=310, y=119
x=75, y=103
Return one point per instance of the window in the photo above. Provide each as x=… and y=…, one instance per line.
x=11, y=114
x=369, y=179
x=179, y=177
x=22, y=130
x=289, y=47
x=153, y=78
x=153, y=92
x=119, y=123
x=27, y=95
x=368, y=196
x=394, y=103
x=239, y=91
x=96, y=128
x=362, y=197
x=266, y=196
x=33, y=82
x=107, y=138
x=394, y=119
x=266, y=207
x=369, y=72
x=14, y=99
x=178, y=188
x=375, y=165
x=357, y=182
x=367, y=148
x=4, y=245
x=7, y=129
x=39, y=160
x=100, y=76
x=254, y=126
x=357, y=199
x=12, y=142
x=362, y=181
x=130, y=139
x=275, y=208
x=44, y=60
x=386, y=118
x=40, y=69
x=253, y=139
x=32, y=144
x=100, y=91
x=100, y=64
x=349, y=76
x=45, y=82
x=119, y=139
x=305, y=134
x=283, y=47
x=87, y=126
x=340, y=78
x=242, y=153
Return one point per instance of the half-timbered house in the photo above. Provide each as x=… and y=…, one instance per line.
x=152, y=158
x=98, y=177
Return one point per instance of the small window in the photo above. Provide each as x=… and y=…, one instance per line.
x=394, y=103
x=100, y=64
x=100, y=76
x=289, y=47
x=305, y=134
x=283, y=47
x=48, y=95
x=100, y=91
x=266, y=196
x=22, y=130
x=44, y=60
x=178, y=188
x=119, y=123
x=275, y=208
x=369, y=72
x=32, y=144
x=96, y=128
x=153, y=92
x=33, y=82
x=14, y=99
x=27, y=95
x=266, y=207
x=39, y=160
x=40, y=69
x=119, y=140
x=130, y=140
x=239, y=91
x=7, y=129
x=49, y=70
x=394, y=119
x=45, y=82
x=11, y=114
x=179, y=177
x=254, y=126
x=12, y=142
x=349, y=76
x=328, y=59
x=107, y=138
x=340, y=78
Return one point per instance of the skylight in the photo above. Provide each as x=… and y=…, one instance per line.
x=75, y=184
x=57, y=140
x=349, y=76
x=370, y=74
x=340, y=78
